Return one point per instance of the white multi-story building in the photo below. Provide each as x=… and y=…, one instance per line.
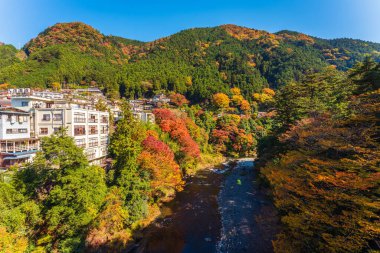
x=16, y=143
x=88, y=127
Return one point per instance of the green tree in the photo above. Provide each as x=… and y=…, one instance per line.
x=125, y=147
x=72, y=205
x=18, y=218
x=366, y=75
x=58, y=154
x=67, y=190
x=319, y=92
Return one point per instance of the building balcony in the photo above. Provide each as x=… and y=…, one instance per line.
x=92, y=120
x=93, y=144
x=93, y=132
x=17, y=146
x=79, y=120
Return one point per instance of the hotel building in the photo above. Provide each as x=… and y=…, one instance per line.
x=88, y=127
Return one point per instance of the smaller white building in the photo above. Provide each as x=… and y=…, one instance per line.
x=16, y=144
x=27, y=103
x=144, y=116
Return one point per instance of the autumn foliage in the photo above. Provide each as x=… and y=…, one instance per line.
x=265, y=96
x=176, y=126
x=178, y=99
x=326, y=182
x=245, y=106
x=235, y=91
x=231, y=139
x=158, y=159
x=10, y=242
x=109, y=232
x=83, y=35
x=221, y=100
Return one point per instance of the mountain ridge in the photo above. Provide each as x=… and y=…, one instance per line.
x=222, y=25
x=194, y=61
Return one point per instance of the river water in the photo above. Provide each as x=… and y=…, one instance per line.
x=219, y=210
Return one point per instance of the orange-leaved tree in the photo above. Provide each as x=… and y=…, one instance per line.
x=158, y=160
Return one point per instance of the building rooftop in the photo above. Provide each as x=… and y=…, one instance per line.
x=5, y=103
x=12, y=110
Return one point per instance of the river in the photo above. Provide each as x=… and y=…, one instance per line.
x=219, y=210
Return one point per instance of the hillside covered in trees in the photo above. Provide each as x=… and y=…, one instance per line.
x=308, y=107
x=322, y=161
x=196, y=62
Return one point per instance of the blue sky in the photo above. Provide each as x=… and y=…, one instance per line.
x=21, y=20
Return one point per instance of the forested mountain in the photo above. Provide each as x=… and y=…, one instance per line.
x=197, y=62
x=284, y=97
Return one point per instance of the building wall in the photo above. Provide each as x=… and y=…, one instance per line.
x=14, y=124
x=144, y=116
x=27, y=103
x=16, y=146
x=74, y=119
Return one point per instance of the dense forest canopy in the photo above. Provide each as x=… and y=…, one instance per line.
x=196, y=62
x=322, y=161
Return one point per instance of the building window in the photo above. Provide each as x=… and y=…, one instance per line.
x=104, y=119
x=46, y=117
x=16, y=130
x=57, y=117
x=79, y=130
x=93, y=118
x=93, y=142
x=79, y=117
x=24, y=103
x=103, y=151
x=11, y=131
x=9, y=118
x=103, y=141
x=56, y=129
x=44, y=131
x=91, y=155
x=104, y=130
x=22, y=119
x=93, y=129
x=81, y=143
